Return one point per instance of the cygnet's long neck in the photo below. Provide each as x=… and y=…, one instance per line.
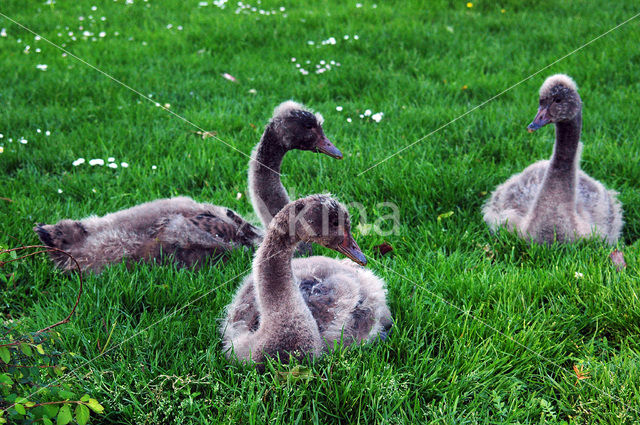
x=561, y=178
x=268, y=195
x=277, y=292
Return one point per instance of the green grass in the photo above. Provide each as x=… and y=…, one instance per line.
x=459, y=361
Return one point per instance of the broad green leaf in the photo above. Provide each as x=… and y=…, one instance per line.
x=40, y=349
x=21, y=400
x=67, y=395
x=47, y=421
x=64, y=415
x=26, y=350
x=29, y=404
x=5, y=355
x=5, y=380
x=82, y=414
x=85, y=398
x=51, y=410
x=20, y=408
x=95, y=406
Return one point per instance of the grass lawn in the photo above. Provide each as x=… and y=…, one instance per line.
x=487, y=328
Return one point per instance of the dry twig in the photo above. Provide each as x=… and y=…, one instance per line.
x=46, y=249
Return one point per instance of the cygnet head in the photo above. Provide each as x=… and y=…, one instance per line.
x=299, y=128
x=559, y=102
x=323, y=220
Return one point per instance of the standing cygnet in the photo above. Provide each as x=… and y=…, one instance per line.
x=302, y=307
x=180, y=228
x=555, y=200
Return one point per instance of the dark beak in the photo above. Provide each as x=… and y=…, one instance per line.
x=325, y=146
x=541, y=119
x=350, y=248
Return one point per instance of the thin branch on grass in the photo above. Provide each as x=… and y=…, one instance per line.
x=5, y=233
x=46, y=249
x=57, y=402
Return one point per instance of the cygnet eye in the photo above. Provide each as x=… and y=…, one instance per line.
x=557, y=100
